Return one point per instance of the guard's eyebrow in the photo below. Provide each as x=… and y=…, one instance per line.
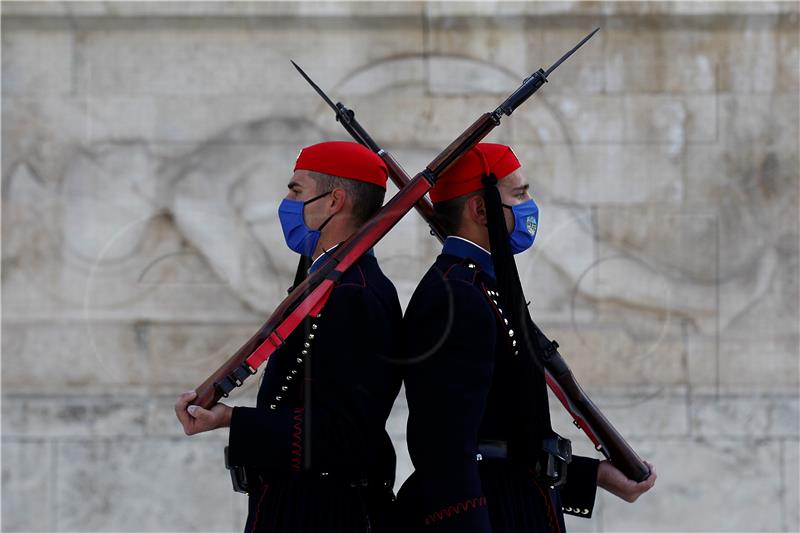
x=522, y=188
x=293, y=184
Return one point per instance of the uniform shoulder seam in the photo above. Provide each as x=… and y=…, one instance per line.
x=446, y=274
x=361, y=285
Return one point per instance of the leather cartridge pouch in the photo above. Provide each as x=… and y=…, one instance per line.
x=551, y=466
x=239, y=478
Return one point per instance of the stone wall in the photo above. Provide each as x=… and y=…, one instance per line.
x=146, y=146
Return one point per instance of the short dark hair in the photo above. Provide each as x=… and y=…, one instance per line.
x=367, y=197
x=448, y=213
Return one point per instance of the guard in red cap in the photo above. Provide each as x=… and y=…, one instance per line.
x=313, y=455
x=486, y=458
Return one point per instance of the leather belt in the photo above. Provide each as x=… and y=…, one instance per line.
x=551, y=464
x=492, y=449
x=245, y=479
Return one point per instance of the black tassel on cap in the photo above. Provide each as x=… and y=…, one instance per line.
x=530, y=388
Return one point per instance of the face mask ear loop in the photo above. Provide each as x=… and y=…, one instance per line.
x=314, y=199
x=317, y=197
x=325, y=223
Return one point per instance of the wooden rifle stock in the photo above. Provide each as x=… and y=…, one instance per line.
x=585, y=414
x=472, y=135
x=423, y=207
x=591, y=420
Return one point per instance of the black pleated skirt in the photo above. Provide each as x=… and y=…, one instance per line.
x=516, y=502
x=308, y=504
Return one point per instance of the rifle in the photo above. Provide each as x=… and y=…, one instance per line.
x=586, y=416
x=310, y=296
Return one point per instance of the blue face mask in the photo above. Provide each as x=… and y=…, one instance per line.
x=299, y=237
x=526, y=222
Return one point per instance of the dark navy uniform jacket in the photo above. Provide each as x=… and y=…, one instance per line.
x=459, y=393
x=326, y=394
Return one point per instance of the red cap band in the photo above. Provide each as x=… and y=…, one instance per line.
x=345, y=160
x=465, y=175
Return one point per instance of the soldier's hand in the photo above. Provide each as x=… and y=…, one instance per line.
x=195, y=419
x=614, y=481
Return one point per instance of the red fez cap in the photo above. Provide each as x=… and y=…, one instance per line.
x=465, y=175
x=343, y=159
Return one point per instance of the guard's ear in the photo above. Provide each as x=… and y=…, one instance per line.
x=338, y=198
x=475, y=209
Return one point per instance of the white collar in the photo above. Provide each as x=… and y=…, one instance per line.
x=469, y=241
x=320, y=256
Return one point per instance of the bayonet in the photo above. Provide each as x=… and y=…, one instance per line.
x=343, y=115
x=534, y=81
x=565, y=56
